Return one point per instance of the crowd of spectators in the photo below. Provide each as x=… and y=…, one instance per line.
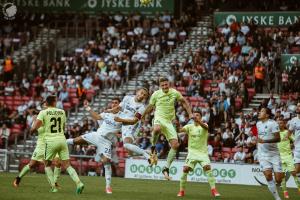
x=236, y=62
x=121, y=46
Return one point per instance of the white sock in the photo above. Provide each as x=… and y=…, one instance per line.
x=107, y=167
x=273, y=189
x=136, y=149
x=70, y=141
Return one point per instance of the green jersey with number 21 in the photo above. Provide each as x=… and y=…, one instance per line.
x=54, y=120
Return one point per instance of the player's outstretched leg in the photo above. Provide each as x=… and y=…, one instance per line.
x=23, y=172
x=133, y=148
x=284, y=189
x=57, y=171
x=171, y=155
x=183, y=181
x=211, y=181
x=108, y=172
x=73, y=174
x=50, y=176
x=271, y=183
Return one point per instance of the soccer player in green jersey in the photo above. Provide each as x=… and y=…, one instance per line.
x=53, y=120
x=163, y=100
x=38, y=156
x=286, y=155
x=197, y=153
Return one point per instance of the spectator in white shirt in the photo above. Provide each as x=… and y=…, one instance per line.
x=4, y=135
x=239, y=156
x=226, y=30
x=244, y=28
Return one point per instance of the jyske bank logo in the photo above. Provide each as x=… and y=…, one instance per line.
x=92, y=3
x=9, y=10
x=230, y=19
x=293, y=59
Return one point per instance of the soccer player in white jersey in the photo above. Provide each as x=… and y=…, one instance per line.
x=294, y=128
x=268, y=153
x=132, y=108
x=103, y=138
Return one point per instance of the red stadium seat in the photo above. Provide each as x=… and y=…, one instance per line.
x=226, y=149
x=75, y=101
x=67, y=106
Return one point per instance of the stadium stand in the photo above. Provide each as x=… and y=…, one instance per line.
x=218, y=70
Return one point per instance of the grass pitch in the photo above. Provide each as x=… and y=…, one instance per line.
x=36, y=187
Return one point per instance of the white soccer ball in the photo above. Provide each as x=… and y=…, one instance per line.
x=145, y=2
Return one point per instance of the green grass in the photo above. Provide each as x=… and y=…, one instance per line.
x=36, y=187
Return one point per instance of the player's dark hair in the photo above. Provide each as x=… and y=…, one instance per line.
x=51, y=99
x=268, y=111
x=116, y=99
x=163, y=79
x=198, y=111
x=145, y=87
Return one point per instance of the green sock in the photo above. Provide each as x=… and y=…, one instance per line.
x=283, y=184
x=211, y=179
x=57, y=171
x=183, y=181
x=154, y=139
x=171, y=156
x=24, y=171
x=49, y=174
x=73, y=175
x=297, y=181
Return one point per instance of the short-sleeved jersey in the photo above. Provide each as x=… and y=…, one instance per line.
x=197, y=143
x=266, y=131
x=165, y=103
x=284, y=146
x=54, y=120
x=109, y=126
x=131, y=108
x=294, y=126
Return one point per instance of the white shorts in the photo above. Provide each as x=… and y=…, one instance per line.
x=103, y=145
x=297, y=157
x=130, y=131
x=270, y=163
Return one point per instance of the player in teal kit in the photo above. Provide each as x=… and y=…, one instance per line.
x=53, y=120
x=197, y=153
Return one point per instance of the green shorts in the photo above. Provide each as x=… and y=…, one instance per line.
x=59, y=147
x=203, y=160
x=38, y=153
x=288, y=164
x=167, y=128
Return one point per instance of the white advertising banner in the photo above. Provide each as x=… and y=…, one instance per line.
x=224, y=173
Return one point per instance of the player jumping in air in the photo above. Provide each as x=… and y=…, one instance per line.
x=132, y=108
x=197, y=153
x=163, y=100
x=286, y=155
x=294, y=128
x=103, y=138
x=53, y=120
x=268, y=153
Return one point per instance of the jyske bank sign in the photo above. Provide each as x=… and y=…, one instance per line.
x=259, y=18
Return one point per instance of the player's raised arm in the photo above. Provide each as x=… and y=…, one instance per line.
x=38, y=122
x=148, y=109
x=131, y=121
x=94, y=115
x=186, y=106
